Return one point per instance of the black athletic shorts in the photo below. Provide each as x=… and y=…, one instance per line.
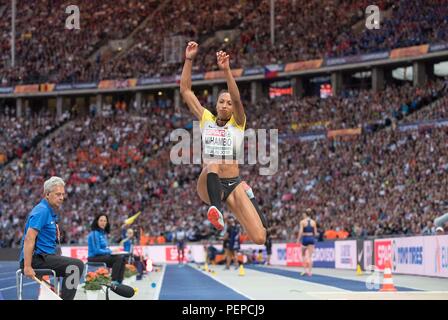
x=228, y=185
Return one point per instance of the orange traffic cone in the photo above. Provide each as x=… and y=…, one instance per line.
x=388, y=283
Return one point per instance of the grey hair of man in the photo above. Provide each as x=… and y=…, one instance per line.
x=51, y=183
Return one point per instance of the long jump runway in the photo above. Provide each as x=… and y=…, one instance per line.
x=190, y=282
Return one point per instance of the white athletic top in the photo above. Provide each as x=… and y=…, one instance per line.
x=180, y=235
x=220, y=142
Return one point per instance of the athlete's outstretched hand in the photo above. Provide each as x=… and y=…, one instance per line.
x=223, y=60
x=192, y=50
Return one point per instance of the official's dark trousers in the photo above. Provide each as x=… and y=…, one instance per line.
x=117, y=263
x=69, y=269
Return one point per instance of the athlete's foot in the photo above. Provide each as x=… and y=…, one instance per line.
x=215, y=217
x=309, y=274
x=302, y=273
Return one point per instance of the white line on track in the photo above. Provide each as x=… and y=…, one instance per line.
x=159, y=285
x=224, y=284
x=14, y=287
x=377, y=292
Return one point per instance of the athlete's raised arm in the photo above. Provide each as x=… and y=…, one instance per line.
x=238, y=109
x=185, y=82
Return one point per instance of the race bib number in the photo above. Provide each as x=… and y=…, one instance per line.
x=218, y=142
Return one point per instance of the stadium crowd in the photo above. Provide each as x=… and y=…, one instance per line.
x=352, y=109
x=118, y=162
x=19, y=134
x=47, y=51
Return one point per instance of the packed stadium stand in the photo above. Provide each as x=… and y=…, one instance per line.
x=115, y=158
x=46, y=51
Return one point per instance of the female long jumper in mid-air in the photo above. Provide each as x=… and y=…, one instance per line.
x=222, y=136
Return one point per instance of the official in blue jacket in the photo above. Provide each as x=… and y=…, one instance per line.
x=99, y=250
x=39, y=247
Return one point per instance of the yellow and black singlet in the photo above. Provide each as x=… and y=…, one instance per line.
x=221, y=142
